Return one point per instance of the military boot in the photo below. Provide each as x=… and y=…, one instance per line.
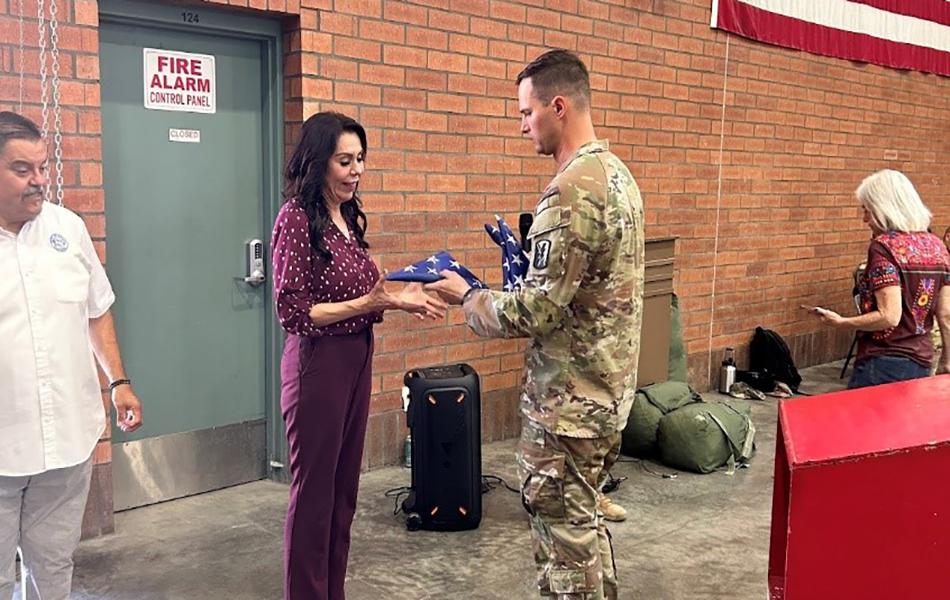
x=612, y=512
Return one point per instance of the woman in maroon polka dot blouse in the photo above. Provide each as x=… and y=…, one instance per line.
x=328, y=295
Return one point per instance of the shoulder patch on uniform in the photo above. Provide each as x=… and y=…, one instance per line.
x=542, y=253
x=552, y=191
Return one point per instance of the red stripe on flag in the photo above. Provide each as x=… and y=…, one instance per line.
x=749, y=21
x=937, y=11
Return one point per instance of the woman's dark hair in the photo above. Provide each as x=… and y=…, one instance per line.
x=306, y=173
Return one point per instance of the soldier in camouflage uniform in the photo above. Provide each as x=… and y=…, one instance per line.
x=581, y=306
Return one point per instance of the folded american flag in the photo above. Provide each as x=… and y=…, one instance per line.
x=514, y=262
x=427, y=271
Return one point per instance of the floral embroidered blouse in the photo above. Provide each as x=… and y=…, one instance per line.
x=920, y=265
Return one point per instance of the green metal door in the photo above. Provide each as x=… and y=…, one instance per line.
x=186, y=193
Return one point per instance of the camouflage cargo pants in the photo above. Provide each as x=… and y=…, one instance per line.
x=609, y=461
x=560, y=478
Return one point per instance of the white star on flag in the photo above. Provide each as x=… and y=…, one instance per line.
x=514, y=262
x=428, y=270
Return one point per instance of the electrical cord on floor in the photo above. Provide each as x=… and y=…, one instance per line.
x=667, y=475
x=490, y=482
x=397, y=494
x=643, y=465
x=612, y=483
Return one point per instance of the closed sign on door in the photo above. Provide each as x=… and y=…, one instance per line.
x=191, y=136
x=179, y=81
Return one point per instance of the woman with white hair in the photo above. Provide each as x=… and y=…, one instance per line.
x=903, y=288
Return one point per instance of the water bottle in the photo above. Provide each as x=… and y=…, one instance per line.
x=727, y=373
x=407, y=448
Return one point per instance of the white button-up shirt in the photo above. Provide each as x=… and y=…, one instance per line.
x=51, y=284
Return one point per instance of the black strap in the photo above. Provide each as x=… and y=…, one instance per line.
x=119, y=382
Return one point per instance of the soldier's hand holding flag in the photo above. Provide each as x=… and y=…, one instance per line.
x=514, y=262
x=440, y=272
x=514, y=265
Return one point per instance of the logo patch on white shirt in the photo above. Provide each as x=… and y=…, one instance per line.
x=58, y=242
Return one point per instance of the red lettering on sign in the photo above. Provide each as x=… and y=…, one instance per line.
x=179, y=81
x=188, y=84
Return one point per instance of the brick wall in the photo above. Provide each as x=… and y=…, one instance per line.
x=757, y=182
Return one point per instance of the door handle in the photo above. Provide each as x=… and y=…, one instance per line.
x=254, y=265
x=256, y=278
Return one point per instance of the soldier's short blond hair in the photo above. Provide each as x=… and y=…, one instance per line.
x=893, y=203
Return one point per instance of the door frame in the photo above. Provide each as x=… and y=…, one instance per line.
x=213, y=20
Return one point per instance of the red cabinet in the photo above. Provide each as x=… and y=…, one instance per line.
x=861, y=505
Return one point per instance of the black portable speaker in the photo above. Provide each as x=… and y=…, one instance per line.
x=444, y=418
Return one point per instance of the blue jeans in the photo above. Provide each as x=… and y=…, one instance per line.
x=879, y=370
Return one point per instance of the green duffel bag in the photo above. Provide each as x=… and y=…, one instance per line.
x=677, y=368
x=705, y=436
x=649, y=405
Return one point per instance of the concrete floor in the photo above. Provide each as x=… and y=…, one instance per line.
x=689, y=537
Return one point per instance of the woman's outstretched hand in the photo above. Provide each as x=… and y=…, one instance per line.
x=411, y=299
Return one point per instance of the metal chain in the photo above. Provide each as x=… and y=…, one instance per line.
x=57, y=115
x=20, y=53
x=44, y=91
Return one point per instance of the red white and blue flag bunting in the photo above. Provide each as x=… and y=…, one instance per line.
x=904, y=34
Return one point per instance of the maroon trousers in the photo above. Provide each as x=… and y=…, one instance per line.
x=324, y=398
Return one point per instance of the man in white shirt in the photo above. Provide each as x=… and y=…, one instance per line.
x=54, y=323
